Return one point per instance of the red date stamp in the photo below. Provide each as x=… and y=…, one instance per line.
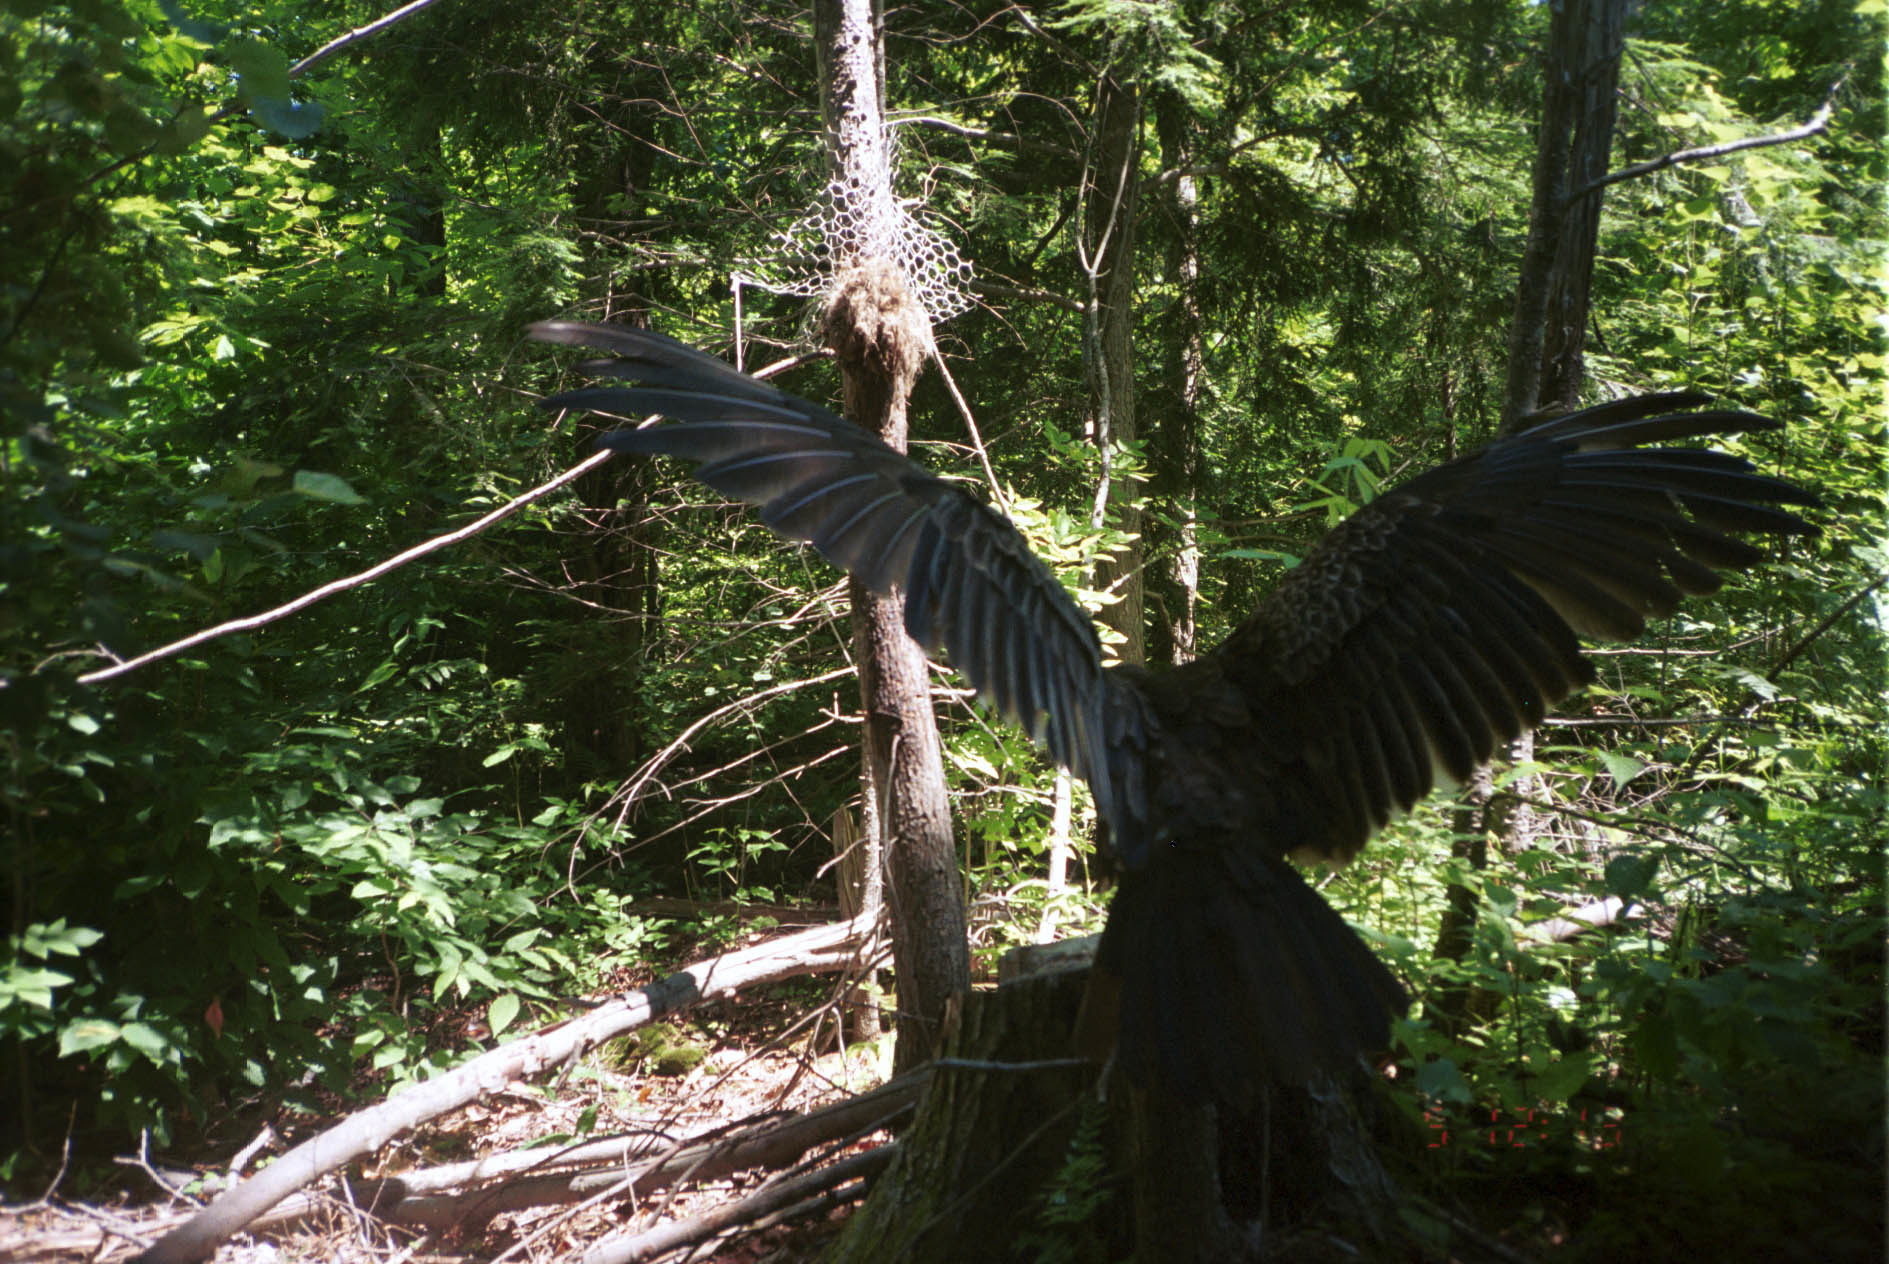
x=1500, y=1128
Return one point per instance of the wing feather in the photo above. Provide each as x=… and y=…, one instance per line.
x=1444, y=618
x=971, y=585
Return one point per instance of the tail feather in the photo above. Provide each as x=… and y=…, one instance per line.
x=1232, y=973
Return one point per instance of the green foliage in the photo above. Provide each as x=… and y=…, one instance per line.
x=244, y=356
x=1066, y=1226
x=1154, y=39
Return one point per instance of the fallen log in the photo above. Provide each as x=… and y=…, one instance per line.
x=1578, y=921
x=789, y=956
x=467, y=1194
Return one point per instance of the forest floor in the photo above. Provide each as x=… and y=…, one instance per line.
x=719, y=1066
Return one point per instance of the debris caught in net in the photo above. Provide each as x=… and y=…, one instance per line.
x=849, y=224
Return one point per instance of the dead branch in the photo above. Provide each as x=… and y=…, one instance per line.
x=367, y=576
x=1830, y=620
x=358, y=34
x=993, y=289
x=394, y=563
x=806, y=1187
x=977, y=440
x=1818, y=122
x=771, y=1141
x=654, y=764
x=457, y=1194
x=824, y=948
x=709, y=806
x=439, y=1198
x=1651, y=722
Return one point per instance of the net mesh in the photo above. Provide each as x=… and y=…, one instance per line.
x=848, y=224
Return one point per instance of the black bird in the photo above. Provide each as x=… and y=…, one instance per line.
x=1435, y=624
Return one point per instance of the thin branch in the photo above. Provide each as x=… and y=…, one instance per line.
x=993, y=289
x=943, y=124
x=1641, y=722
x=232, y=108
x=1803, y=642
x=655, y=762
x=358, y=34
x=45, y=277
x=977, y=440
x=1819, y=122
x=367, y=576
x=708, y=807
x=668, y=1237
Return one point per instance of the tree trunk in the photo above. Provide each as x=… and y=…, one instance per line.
x=1547, y=331
x=1176, y=446
x=859, y=876
x=1599, y=41
x=882, y=337
x=1546, y=337
x=1108, y=257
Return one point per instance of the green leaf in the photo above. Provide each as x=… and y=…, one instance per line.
x=88, y=1034
x=1622, y=768
x=33, y=988
x=326, y=487
x=262, y=71
x=502, y=1011
x=384, y=672
x=1441, y=1080
x=1629, y=874
x=147, y=1040
x=1657, y=1044
x=189, y=127
x=1559, y=1080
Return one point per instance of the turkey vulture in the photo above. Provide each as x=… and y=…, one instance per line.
x=1432, y=626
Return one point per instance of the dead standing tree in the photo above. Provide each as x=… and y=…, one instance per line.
x=877, y=324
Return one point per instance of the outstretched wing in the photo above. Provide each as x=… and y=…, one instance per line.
x=1435, y=623
x=1441, y=620
x=971, y=584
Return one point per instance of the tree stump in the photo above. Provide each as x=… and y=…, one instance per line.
x=1016, y=1153
x=977, y=1175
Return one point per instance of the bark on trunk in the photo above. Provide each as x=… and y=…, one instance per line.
x=1015, y=1156
x=859, y=876
x=976, y=1170
x=1546, y=340
x=1177, y=442
x=1548, y=330
x=882, y=338
x=1600, y=40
